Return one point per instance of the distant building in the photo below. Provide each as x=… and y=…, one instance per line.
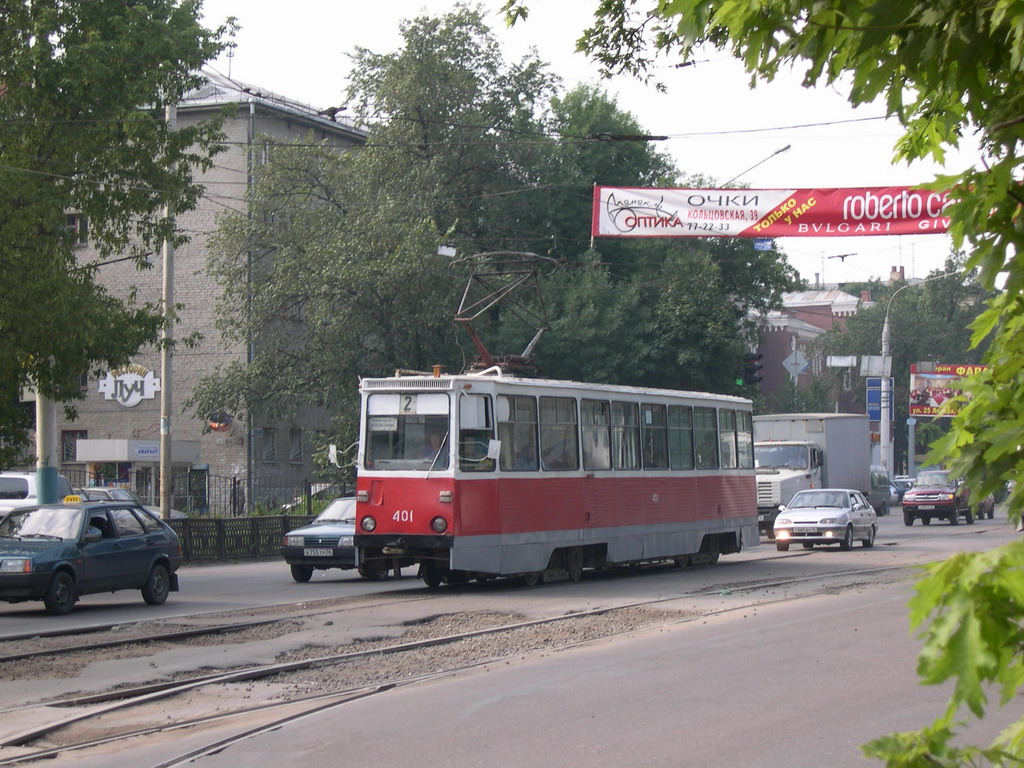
x=220, y=460
x=788, y=333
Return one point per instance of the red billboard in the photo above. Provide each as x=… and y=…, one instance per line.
x=644, y=212
x=930, y=389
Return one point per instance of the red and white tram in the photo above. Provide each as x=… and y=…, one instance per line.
x=484, y=475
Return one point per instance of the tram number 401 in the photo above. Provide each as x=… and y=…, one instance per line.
x=402, y=516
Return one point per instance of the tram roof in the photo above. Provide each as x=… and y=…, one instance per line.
x=420, y=381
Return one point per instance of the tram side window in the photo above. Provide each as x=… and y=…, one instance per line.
x=727, y=438
x=745, y=439
x=654, y=435
x=517, y=431
x=595, y=420
x=625, y=436
x=559, y=449
x=680, y=436
x=475, y=433
x=705, y=434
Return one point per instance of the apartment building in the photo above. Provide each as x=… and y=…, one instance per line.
x=115, y=439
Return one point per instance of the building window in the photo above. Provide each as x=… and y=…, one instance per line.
x=78, y=224
x=69, y=443
x=269, y=445
x=295, y=446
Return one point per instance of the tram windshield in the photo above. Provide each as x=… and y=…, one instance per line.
x=407, y=431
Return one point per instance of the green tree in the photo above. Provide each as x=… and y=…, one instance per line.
x=84, y=143
x=942, y=68
x=333, y=272
x=645, y=325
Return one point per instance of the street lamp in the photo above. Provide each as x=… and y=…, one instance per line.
x=886, y=394
x=759, y=162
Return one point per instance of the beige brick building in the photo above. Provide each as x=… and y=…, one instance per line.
x=116, y=437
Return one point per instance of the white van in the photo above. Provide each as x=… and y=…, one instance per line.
x=18, y=489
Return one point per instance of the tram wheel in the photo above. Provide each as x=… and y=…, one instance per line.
x=574, y=563
x=373, y=572
x=532, y=579
x=431, y=576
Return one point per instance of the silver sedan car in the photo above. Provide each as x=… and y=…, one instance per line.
x=826, y=516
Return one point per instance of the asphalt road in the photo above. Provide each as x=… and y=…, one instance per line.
x=250, y=585
x=791, y=684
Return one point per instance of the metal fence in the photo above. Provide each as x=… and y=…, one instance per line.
x=219, y=524
x=208, y=539
x=202, y=495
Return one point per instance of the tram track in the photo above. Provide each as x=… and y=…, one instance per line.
x=93, y=709
x=50, y=642
x=125, y=636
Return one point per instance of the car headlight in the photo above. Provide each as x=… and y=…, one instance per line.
x=828, y=521
x=16, y=565
x=783, y=521
x=294, y=541
x=346, y=541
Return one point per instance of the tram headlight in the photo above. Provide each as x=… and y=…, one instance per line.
x=368, y=524
x=439, y=524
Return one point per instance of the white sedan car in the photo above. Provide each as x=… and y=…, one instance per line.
x=826, y=516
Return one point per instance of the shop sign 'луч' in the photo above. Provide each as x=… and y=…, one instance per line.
x=129, y=386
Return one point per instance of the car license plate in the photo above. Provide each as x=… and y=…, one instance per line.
x=317, y=552
x=926, y=506
x=804, y=529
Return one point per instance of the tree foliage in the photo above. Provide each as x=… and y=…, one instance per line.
x=942, y=68
x=82, y=131
x=334, y=271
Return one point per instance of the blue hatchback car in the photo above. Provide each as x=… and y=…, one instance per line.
x=59, y=552
x=326, y=543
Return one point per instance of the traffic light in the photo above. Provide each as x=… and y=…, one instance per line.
x=752, y=370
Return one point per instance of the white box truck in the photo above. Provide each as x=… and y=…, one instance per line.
x=793, y=451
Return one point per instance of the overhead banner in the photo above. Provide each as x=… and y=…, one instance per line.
x=645, y=212
x=931, y=389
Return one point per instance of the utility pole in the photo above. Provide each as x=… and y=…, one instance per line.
x=166, y=342
x=46, y=449
x=886, y=394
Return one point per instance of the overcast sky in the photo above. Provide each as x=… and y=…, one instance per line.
x=717, y=125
